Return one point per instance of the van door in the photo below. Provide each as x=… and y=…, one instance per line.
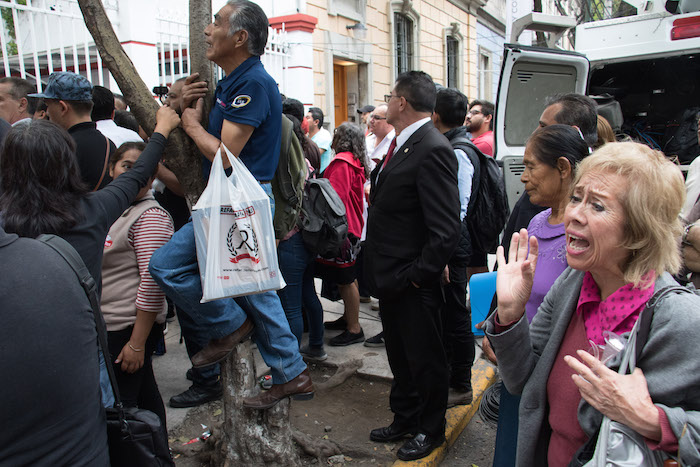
x=528, y=76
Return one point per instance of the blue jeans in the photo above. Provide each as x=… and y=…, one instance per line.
x=507, y=431
x=174, y=267
x=196, y=337
x=294, y=259
x=313, y=308
x=105, y=384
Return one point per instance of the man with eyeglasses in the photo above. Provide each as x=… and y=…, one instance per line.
x=412, y=230
x=479, y=123
x=380, y=136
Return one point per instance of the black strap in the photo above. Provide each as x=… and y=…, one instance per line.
x=648, y=314
x=76, y=263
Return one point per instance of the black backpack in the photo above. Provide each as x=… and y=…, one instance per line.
x=488, y=205
x=322, y=221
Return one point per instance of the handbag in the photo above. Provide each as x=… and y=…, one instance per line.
x=616, y=444
x=136, y=437
x=234, y=234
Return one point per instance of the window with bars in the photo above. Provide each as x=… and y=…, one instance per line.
x=452, y=61
x=403, y=38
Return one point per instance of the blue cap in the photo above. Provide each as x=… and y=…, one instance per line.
x=66, y=86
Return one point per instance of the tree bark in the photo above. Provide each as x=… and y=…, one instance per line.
x=181, y=154
x=251, y=437
x=200, y=17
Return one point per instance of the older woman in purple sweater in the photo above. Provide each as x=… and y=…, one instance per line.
x=550, y=158
x=551, y=155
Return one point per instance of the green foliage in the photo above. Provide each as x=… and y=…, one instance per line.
x=6, y=14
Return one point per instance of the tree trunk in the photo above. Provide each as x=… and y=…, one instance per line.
x=200, y=17
x=182, y=155
x=251, y=437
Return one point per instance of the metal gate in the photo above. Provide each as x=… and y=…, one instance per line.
x=39, y=37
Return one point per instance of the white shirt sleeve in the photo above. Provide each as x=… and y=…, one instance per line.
x=465, y=173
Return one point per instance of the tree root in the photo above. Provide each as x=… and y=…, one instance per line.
x=344, y=371
x=321, y=449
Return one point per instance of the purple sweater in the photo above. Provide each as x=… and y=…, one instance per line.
x=551, y=260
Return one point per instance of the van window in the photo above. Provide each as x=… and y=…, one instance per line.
x=529, y=86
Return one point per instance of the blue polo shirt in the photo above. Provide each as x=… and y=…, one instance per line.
x=249, y=95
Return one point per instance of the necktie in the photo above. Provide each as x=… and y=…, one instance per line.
x=389, y=153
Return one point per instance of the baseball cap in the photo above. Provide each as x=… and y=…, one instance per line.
x=365, y=109
x=66, y=86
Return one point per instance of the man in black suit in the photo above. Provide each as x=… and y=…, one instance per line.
x=412, y=230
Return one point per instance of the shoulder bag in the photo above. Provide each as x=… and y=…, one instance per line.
x=617, y=445
x=136, y=436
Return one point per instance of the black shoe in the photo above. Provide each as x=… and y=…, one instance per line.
x=197, y=395
x=389, y=433
x=346, y=338
x=188, y=375
x=313, y=354
x=337, y=325
x=375, y=341
x=418, y=447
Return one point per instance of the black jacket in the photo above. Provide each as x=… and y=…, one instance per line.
x=91, y=150
x=413, y=224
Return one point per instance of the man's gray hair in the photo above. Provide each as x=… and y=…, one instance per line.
x=250, y=17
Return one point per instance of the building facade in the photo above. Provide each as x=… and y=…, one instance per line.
x=338, y=55
x=360, y=47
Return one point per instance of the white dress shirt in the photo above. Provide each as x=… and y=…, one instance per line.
x=405, y=134
x=117, y=134
x=375, y=153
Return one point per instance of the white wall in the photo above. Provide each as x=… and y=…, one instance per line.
x=491, y=41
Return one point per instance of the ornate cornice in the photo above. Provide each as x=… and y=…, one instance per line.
x=470, y=6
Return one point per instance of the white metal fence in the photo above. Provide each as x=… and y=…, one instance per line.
x=39, y=37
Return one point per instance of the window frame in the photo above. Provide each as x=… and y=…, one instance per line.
x=405, y=8
x=358, y=12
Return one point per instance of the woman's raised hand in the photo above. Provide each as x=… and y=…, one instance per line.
x=514, y=280
x=166, y=120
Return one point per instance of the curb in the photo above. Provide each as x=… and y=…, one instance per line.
x=457, y=418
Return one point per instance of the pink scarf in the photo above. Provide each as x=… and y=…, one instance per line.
x=617, y=313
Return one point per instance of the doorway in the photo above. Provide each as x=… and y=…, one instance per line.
x=340, y=93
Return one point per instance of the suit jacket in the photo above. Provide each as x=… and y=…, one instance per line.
x=413, y=222
x=669, y=361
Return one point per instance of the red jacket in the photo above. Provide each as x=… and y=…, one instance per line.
x=347, y=177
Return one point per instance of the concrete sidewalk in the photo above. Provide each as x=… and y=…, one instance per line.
x=170, y=371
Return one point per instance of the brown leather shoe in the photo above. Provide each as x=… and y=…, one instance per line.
x=218, y=349
x=300, y=388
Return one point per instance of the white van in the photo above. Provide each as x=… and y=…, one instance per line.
x=649, y=63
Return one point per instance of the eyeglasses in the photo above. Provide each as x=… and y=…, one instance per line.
x=374, y=117
x=474, y=112
x=388, y=97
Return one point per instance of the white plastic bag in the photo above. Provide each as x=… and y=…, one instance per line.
x=234, y=235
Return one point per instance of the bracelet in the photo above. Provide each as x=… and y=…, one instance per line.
x=134, y=349
x=684, y=239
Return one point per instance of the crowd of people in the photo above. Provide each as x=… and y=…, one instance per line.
x=594, y=238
